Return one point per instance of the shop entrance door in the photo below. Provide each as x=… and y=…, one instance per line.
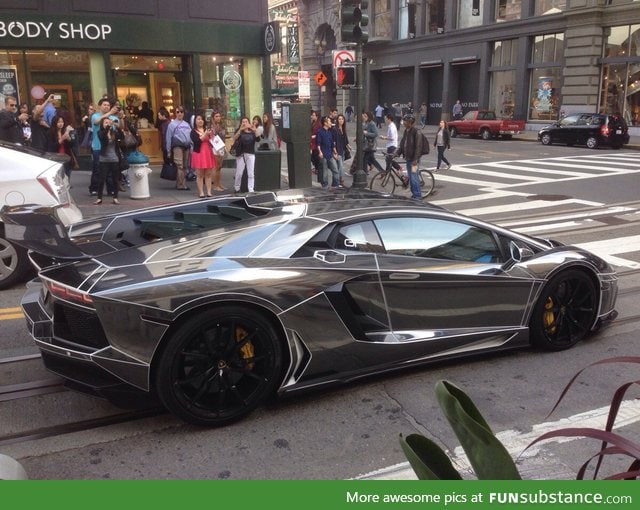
x=168, y=95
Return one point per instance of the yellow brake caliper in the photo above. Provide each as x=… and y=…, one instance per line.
x=548, y=317
x=247, y=349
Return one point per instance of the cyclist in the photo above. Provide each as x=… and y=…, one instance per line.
x=411, y=148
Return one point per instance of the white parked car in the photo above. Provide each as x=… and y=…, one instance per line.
x=29, y=176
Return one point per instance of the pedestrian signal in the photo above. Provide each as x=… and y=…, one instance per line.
x=346, y=76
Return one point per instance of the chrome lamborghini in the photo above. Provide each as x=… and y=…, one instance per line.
x=215, y=305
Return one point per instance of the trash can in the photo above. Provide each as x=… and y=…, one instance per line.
x=267, y=170
x=138, y=175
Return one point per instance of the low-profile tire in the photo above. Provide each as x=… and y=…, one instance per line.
x=486, y=134
x=565, y=312
x=545, y=139
x=219, y=366
x=453, y=132
x=14, y=264
x=592, y=142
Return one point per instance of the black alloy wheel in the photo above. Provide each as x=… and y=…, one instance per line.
x=14, y=264
x=486, y=134
x=565, y=312
x=592, y=142
x=545, y=139
x=219, y=366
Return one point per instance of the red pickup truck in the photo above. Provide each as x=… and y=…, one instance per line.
x=485, y=124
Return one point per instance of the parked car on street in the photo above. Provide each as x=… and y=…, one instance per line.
x=590, y=129
x=215, y=305
x=29, y=176
x=485, y=124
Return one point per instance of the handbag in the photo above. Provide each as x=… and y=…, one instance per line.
x=169, y=171
x=347, y=154
x=130, y=140
x=236, y=148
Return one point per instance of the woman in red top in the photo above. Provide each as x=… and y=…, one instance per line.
x=202, y=160
x=60, y=140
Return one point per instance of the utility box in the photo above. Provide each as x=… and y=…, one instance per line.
x=295, y=128
x=267, y=170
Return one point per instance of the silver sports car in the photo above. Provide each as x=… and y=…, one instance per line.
x=215, y=305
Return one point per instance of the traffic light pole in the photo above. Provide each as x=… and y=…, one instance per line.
x=359, y=176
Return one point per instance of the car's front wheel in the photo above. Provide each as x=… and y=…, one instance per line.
x=545, y=139
x=486, y=134
x=565, y=311
x=219, y=366
x=592, y=142
x=14, y=263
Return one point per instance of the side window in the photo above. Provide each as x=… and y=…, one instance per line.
x=358, y=237
x=569, y=120
x=438, y=239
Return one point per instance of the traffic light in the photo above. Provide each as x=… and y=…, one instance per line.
x=353, y=16
x=346, y=76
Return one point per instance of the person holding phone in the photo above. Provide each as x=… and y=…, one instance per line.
x=110, y=136
x=105, y=110
x=202, y=155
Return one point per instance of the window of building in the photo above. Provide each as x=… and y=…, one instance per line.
x=548, y=48
x=434, y=16
x=508, y=10
x=545, y=93
x=550, y=7
x=466, y=19
x=382, y=19
x=407, y=19
x=620, y=82
x=503, y=77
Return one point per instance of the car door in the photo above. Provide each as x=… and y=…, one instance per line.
x=567, y=131
x=443, y=283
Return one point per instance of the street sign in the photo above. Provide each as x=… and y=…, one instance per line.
x=342, y=57
x=320, y=78
x=304, y=85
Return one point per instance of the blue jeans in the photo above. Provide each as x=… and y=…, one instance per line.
x=414, y=181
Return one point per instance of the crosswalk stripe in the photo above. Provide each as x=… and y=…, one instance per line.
x=520, y=206
x=509, y=166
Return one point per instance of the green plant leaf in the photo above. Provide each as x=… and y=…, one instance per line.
x=428, y=460
x=487, y=455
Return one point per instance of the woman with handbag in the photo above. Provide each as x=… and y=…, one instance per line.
x=370, y=139
x=342, y=145
x=201, y=155
x=129, y=144
x=244, y=141
x=110, y=136
x=217, y=129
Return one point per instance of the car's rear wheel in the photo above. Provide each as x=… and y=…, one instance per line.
x=485, y=134
x=545, y=139
x=14, y=264
x=592, y=142
x=219, y=366
x=565, y=311
x=453, y=132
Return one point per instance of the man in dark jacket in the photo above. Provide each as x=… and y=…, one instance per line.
x=411, y=148
x=11, y=122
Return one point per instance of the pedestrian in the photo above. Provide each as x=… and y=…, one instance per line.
x=39, y=128
x=442, y=142
x=411, y=148
x=202, y=155
x=392, y=140
x=162, y=122
x=397, y=113
x=178, y=144
x=342, y=145
x=11, y=121
x=423, y=115
x=217, y=128
x=269, y=138
x=379, y=111
x=370, y=142
x=349, y=112
x=110, y=136
x=246, y=137
x=60, y=141
x=327, y=153
x=456, y=111
x=313, y=146
x=105, y=109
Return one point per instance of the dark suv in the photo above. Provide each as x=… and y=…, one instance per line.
x=590, y=129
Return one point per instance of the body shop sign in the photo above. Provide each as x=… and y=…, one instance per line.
x=20, y=30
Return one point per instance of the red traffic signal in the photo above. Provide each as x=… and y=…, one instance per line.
x=346, y=76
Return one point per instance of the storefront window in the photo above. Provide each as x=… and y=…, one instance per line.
x=550, y=7
x=508, y=10
x=38, y=72
x=503, y=78
x=620, y=89
x=382, y=19
x=548, y=48
x=545, y=93
x=434, y=16
x=466, y=18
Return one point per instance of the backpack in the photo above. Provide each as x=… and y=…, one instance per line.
x=425, y=144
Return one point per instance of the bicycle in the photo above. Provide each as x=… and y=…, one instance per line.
x=386, y=180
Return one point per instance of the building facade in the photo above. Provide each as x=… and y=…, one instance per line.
x=529, y=59
x=204, y=55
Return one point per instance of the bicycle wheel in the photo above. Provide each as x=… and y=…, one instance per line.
x=383, y=182
x=427, y=183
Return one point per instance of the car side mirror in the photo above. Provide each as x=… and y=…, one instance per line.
x=520, y=253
